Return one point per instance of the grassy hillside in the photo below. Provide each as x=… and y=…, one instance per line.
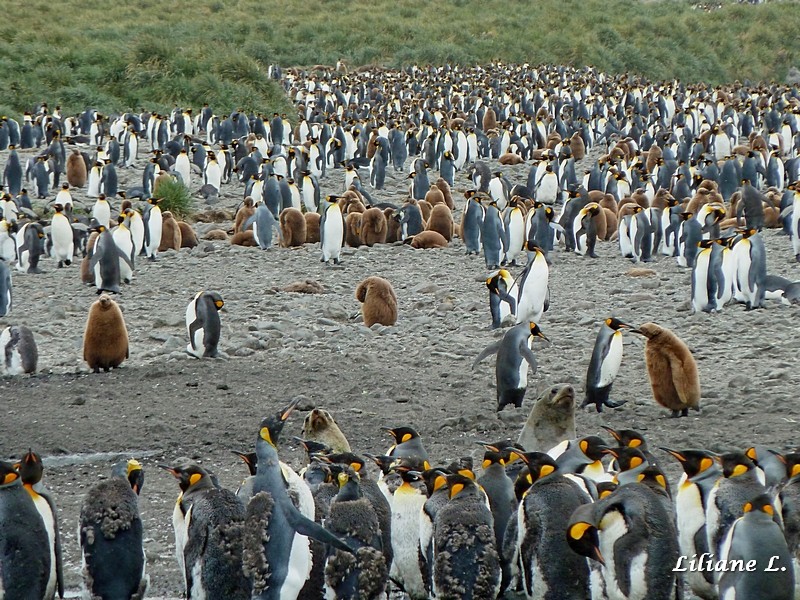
x=117, y=56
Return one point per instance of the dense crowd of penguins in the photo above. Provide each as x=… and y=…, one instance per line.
x=686, y=171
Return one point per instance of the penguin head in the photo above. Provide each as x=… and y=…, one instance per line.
x=760, y=504
x=706, y=243
x=510, y=451
x=349, y=460
x=271, y=427
x=349, y=482
x=8, y=474
x=593, y=447
x=190, y=475
x=606, y=488
x=648, y=330
x=582, y=534
x=460, y=486
x=401, y=434
x=539, y=465
x=384, y=461
x=313, y=447
x=30, y=468
x=522, y=483
x=627, y=438
x=616, y=325
x=792, y=461
x=131, y=470
x=435, y=480
x=735, y=464
x=536, y=332
x=250, y=459
x=627, y=458
x=491, y=457
x=654, y=478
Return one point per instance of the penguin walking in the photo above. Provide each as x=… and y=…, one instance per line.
x=755, y=536
x=331, y=231
x=502, y=302
x=700, y=473
x=30, y=469
x=550, y=569
x=514, y=355
x=153, y=221
x=24, y=544
x=467, y=563
x=604, y=365
x=203, y=324
x=208, y=523
x=276, y=545
x=114, y=561
x=18, y=347
x=632, y=535
x=352, y=518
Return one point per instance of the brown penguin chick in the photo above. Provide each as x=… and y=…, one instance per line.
x=600, y=224
x=76, y=170
x=434, y=196
x=373, y=227
x=577, y=146
x=352, y=229
x=611, y=223
x=378, y=301
x=163, y=177
x=427, y=239
x=709, y=185
x=188, y=236
x=607, y=201
x=319, y=426
x=424, y=208
x=640, y=198
x=246, y=210
x=489, y=119
x=626, y=207
x=700, y=199
x=350, y=202
x=671, y=369
x=441, y=221
x=244, y=238
x=447, y=192
x=293, y=228
x=661, y=199
x=217, y=235
x=653, y=156
x=309, y=286
x=511, y=158
x=312, y=227
x=105, y=340
x=170, y=233
x=393, y=231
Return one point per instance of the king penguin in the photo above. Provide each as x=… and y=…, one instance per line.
x=24, y=544
x=407, y=502
x=533, y=292
x=111, y=535
x=30, y=471
x=208, y=523
x=276, y=549
x=153, y=221
x=203, y=324
x=331, y=231
x=604, y=365
x=514, y=355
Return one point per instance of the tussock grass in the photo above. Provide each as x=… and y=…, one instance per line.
x=175, y=197
x=118, y=56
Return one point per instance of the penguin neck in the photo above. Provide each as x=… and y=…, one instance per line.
x=30, y=489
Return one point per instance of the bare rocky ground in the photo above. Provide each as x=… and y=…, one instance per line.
x=162, y=404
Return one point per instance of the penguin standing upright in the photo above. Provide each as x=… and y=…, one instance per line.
x=105, y=261
x=24, y=544
x=689, y=236
x=750, y=259
x=533, y=295
x=101, y=211
x=493, y=236
x=467, y=563
x=202, y=321
x=499, y=490
x=584, y=230
x=472, y=223
x=407, y=502
x=501, y=296
x=208, y=523
x=152, y=220
x=755, y=536
x=276, y=551
x=123, y=239
x=550, y=569
x=353, y=518
x=514, y=355
x=184, y=167
x=29, y=248
x=5, y=290
x=30, y=469
x=708, y=278
x=18, y=347
x=111, y=536
x=604, y=365
x=263, y=222
x=331, y=231
x=514, y=226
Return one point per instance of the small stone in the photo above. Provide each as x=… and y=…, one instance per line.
x=79, y=401
x=425, y=288
x=304, y=403
x=223, y=386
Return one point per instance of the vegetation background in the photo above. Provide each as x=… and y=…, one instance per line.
x=117, y=56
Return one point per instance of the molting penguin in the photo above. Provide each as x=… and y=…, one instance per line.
x=671, y=369
x=513, y=357
x=203, y=324
x=24, y=544
x=111, y=535
x=276, y=552
x=467, y=563
x=19, y=350
x=105, y=339
x=604, y=365
x=208, y=523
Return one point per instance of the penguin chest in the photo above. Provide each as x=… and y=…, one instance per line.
x=406, y=506
x=533, y=291
x=334, y=231
x=522, y=377
x=61, y=232
x=700, y=280
x=609, y=367
x=580, y=234
x=180, y=524
x=612, y=528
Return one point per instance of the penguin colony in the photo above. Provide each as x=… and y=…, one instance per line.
x=688, y=172
x=584, y=519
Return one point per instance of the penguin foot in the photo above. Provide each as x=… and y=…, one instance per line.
x=797, y=257
x=60, y=264
x=593, y=255
x=152, y=258
x=685, y=412
x=614, y=403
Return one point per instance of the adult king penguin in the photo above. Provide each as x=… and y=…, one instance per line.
x=604, y=365
x=202, y=321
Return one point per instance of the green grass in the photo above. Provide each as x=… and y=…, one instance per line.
x=175, y=197
x=124, y=56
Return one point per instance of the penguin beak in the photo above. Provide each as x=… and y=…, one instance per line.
x=288, y=410
x=172, y=470
x=613, y=432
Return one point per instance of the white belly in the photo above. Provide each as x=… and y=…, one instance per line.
x=610, y=366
